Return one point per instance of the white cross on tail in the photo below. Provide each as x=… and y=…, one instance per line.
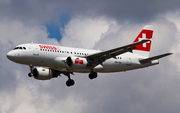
x=143, y=38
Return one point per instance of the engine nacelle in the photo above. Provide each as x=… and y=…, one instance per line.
x=76, y=62
x=42, y=73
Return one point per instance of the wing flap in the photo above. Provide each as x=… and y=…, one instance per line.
x=143, y=61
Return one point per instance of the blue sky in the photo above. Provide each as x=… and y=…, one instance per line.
x=56, y=30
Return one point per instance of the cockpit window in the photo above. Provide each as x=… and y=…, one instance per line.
x=22, y=48
x=16, y=48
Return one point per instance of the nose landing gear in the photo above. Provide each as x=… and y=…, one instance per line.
x=31, y=70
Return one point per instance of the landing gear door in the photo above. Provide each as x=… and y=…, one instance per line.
x=35, y=49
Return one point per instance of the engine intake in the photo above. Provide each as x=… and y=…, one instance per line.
x=76, y=62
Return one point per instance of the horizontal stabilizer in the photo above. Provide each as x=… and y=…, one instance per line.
x=143, y=61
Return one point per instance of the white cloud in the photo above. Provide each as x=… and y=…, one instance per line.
x=84, y=31
x=28, y=97
x=173, y=18
x=15, y=32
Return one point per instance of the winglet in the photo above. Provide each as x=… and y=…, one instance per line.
x=143, y=61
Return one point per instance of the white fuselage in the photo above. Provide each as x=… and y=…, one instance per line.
x=34, y=54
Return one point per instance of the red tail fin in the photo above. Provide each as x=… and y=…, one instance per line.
x=146, y=33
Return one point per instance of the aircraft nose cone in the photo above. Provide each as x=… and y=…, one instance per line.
x=10, y=55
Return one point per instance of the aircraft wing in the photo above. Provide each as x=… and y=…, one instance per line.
x=100, y=57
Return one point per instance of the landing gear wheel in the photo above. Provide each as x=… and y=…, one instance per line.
x=70, y=82
x=30, y=74
x=93, y=75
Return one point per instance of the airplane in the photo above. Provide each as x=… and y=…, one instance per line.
x=51, y=61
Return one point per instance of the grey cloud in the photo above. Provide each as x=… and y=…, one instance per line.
x=136, y=91
x=135, y=11
x=44, y=10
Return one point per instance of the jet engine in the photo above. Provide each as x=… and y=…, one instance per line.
x=76, y=62
x=43, y=73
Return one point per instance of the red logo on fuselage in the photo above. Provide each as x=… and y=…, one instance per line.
x=49, y=47
x=77, y=61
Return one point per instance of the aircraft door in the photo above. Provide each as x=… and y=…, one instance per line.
x=128, y=60
x=35, y=49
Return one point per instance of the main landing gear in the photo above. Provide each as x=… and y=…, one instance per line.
x=69, y=82
x=92, y=75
